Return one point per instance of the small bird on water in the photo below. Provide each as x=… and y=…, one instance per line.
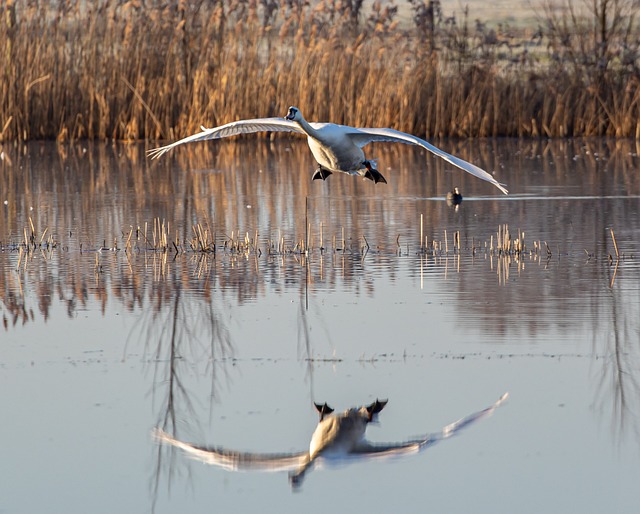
x=454, y=197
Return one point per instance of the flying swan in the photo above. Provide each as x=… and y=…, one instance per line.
x=338, y=438
x=336, y=148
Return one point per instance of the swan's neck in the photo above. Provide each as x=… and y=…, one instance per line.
x=310, y=131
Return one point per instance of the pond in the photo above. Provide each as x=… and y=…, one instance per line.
x=218, y=292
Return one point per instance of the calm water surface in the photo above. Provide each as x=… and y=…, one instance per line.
x=108, y=335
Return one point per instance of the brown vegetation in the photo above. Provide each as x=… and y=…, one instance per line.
x=115, y=69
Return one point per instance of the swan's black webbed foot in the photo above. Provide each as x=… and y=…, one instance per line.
x=373, y=174
x=323, y=409
x=321, y=173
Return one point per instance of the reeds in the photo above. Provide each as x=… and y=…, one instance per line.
x=155, y=70
x=154, y=248
x=32, y=243
x=156, y=237
x=314, y=239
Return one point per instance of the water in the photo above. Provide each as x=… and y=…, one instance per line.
x=106, y=337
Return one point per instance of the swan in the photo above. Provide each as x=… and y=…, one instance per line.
x=336, y=148
x=338, y=438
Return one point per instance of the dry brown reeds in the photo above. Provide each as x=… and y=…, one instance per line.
x=151, y=244
x=155, y=70
x=155, y=237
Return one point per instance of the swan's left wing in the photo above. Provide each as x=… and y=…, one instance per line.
x=232, y=129
x=233, y=460
x=421, y=443
x=364, y=136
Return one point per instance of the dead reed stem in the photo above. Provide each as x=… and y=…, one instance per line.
x=615, y=245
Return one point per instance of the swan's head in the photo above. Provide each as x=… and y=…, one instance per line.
x=293, y=114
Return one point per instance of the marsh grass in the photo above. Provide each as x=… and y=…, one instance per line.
x=131, y=70
x=243, y=260
x=155, y=237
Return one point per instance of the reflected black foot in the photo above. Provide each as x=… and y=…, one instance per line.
x=373, y=174
x=321, y=173
x=376, y=407
x=323, y=409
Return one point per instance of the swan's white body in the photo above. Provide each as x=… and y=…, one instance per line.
x=338, y=438
x=336, y=148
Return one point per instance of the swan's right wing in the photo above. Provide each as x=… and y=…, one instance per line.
x=232, y=129
x=364, y=136
x=232, y=460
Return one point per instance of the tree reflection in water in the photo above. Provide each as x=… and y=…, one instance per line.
x=616, y=338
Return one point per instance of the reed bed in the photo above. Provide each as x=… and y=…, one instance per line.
x=132, y=70
x=204, y=238
x=205, y=254
x=33, y=242
x=157, y=237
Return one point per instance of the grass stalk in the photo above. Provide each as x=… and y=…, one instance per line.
x=615, y=245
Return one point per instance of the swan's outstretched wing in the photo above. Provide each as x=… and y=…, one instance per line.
x=363, y=136
x=234, y=460
x=232, y=129
x=421, y=443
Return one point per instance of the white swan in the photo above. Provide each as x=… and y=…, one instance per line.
x=336, y=148
x=338, y=438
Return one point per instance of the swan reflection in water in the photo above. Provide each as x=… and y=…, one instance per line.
x=338, y=438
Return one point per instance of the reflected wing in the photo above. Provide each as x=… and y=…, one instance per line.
x=234, y=460
x=232, y=129
x=421, y=443
x=247, y=461
x=363, y=136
